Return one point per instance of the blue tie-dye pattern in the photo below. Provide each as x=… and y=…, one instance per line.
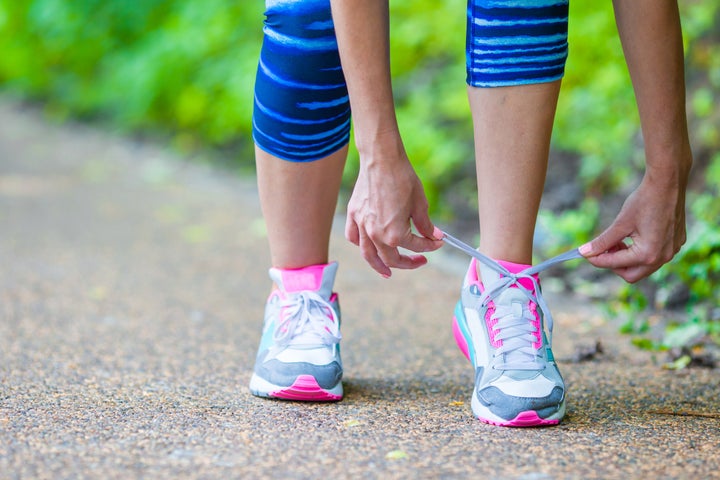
x=277, y=79
x=302, y=111
x=318, y=105
x=300, y=121
x=318, y=136
x=516, y=42
x=324, y=44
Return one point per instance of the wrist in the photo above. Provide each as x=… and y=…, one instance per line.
x=671, y=179
x=381, y=145
x=670, y=159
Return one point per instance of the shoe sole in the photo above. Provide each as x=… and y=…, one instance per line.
x=528, y=418
x=304, y=389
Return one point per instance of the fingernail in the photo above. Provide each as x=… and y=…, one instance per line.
x=585, y=249
x=385, y=275
x=438, y=234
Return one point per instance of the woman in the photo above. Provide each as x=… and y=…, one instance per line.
x=321, y=57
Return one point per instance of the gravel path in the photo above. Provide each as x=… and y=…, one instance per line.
x=132, y=286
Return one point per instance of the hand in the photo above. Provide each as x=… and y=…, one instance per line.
x=653, y=218
x=387, y=196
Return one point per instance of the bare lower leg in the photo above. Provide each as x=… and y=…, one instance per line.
x=298, y=202
x=512, y=126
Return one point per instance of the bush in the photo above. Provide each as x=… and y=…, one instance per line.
x=175, y=66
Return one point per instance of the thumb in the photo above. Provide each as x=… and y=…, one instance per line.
x=609, y=241
x=425, y=227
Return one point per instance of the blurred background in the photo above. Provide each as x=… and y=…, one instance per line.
x=181, y=72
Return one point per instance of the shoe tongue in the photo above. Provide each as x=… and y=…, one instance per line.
x=316, y=278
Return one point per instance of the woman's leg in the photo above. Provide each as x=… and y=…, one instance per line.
x=301, y=128
x=298, y=202
x=512, y=137
x=516, y=56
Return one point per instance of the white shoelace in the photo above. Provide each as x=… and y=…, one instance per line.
x=307, y=320
x=514, y=322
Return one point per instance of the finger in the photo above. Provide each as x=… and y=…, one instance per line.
x=393, y=258
x=618, y=247
x=417, y=243
x=617, y=257
x=351, y=230
x=635, y=274
x=425, y=227
x=631, y=263
x=370, y=254
x=614, y=249
x=387, y=248
x=611, y=238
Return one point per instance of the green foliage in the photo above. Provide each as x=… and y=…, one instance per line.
x=596, y=115
x=573, y=227
x=186, y=69
x=170, y=65
x=694, y=272
x=597, y=119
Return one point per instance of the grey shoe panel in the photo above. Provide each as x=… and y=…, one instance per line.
x=284, y=374
x=328, y=280
x=508, y=407
x=478, y=374
x=470, y=298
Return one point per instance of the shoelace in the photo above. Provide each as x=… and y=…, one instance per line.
x=306, y=319
x=513, y=326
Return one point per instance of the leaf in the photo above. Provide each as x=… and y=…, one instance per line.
x=196, y=234
x=678, y=364
x=684, y=335
x=396, y=455
x=645, y=344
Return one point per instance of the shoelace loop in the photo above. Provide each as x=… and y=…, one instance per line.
x=307, y=318
x=515, y=324
x=515, y=330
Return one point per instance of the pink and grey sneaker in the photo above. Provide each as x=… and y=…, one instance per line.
x=299, y=353
x=499, y=326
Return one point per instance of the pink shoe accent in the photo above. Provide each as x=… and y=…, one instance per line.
x=299, y=279
x=516, y=268
x=536, y=323
x=306, y=389
x=524, y=419
x=460, y=339
x=472, y=276
x=491, y=322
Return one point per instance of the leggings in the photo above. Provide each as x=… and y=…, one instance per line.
x=302, y=111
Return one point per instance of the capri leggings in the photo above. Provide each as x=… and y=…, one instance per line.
x=302, y=110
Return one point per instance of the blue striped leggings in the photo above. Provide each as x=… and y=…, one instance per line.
x=302, y=111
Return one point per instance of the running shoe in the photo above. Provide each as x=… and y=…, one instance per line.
x=299, y=353
x=499, y=325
